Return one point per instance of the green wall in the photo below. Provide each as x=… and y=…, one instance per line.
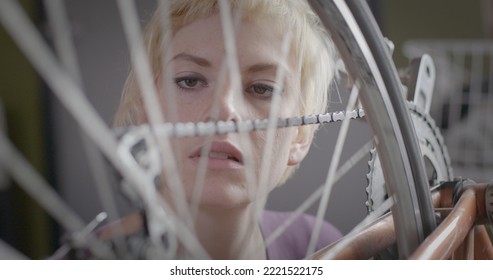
x=430, y=19
x=24, y=224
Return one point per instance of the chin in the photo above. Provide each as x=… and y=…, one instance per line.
x=219, y=196
x=219, y=191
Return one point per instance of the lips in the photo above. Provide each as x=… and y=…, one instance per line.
x=222, y=155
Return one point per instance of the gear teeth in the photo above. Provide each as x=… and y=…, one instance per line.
x=369, y=178
x=430, y=139
x=430, y=122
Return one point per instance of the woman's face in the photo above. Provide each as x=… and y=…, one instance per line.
x=198, y=60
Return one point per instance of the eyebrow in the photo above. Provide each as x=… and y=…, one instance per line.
x=192, y=58
x=259, y=67
x=262, y=67
x=268, y=67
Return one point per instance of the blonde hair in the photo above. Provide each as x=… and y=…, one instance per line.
x=310, y=43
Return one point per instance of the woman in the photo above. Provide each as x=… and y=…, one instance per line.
x=205, y=88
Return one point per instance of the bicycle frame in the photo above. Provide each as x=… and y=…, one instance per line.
x=462, y=234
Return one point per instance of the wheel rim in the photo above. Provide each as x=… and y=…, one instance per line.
x=402, y=165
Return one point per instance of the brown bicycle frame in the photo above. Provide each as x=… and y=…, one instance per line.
x=461, y=234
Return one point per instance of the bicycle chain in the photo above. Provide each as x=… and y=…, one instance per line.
x=179, y=130
x=139, y=148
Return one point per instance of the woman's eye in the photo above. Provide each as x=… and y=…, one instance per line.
x=261, y=90
x=189, y=83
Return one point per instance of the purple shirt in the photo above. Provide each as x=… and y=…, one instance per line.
x=292, y=244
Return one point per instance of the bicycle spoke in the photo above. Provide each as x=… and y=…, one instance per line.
x=66, y=50
x=273, y=116
x=151, y=104
x=231, y=60
x=229, y=67
x=373, y=216
x=33, y=184
x=9, y=253
x=37, y=187
x=334, y=163
x=307, y=203
x=202, y=166
x=228, y=24
x=71, y=96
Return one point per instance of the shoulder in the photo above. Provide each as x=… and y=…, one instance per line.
x=293, y=242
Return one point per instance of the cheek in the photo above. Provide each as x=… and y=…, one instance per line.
x=182, y=109
x=178, y=106
x=284, y=139
x=279, y=153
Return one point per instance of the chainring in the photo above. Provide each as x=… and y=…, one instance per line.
x=435, y=156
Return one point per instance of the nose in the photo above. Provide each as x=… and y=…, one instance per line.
x=227, y=106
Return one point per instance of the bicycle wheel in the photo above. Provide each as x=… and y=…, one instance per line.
x=390, y=121
x=367, y=61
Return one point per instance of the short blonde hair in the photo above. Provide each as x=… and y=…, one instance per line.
x=311, y=45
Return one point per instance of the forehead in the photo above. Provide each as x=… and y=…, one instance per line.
x=256, y=41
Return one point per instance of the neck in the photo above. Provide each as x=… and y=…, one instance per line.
x=230, y=233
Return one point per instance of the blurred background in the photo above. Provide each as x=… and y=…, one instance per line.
x=457, y=33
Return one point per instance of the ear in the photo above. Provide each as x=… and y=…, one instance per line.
x=300, y=147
